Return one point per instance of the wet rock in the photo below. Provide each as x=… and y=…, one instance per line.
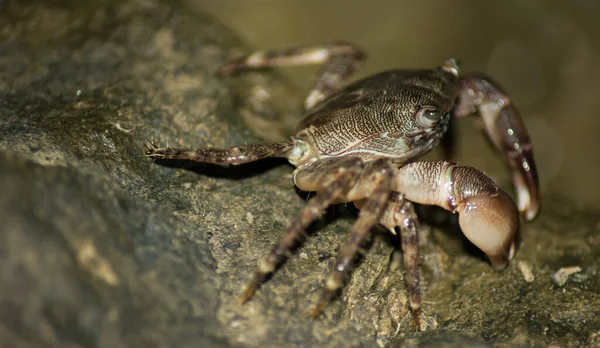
x=102, y=247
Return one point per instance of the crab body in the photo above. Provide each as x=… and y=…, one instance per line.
x=360, y=144
x=375, y=117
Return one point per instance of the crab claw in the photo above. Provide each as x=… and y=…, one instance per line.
x=508, y=133
x=490, y=222
x=487, y=215
x=505, y=128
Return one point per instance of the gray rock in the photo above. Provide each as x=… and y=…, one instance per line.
x=85, y=264
x=102, y=247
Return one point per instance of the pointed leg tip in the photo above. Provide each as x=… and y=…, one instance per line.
x=154, y=150
x=151, y=149
x=251, y=288
x=528, y=208
x=315, y=313
x=530, y=212
x=417, y=321
x=323, y=302
x=424, y=322
x=318, y=310
x=528, y=198
x=247, y=294
x=150, y=146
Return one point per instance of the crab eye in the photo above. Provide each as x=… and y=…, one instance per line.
x=428, y=116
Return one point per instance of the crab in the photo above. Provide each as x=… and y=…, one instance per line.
x=360, y=144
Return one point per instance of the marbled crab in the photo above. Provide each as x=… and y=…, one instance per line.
x=360, y=144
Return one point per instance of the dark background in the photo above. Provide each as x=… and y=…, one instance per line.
x=545, y=53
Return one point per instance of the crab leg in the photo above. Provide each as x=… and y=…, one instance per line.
x=406, y=218
x=337, y=176
x=487, y=215
x=234, y=155
x=376, y=191
x=401, y=213
x=504, y=127
x=339, y=59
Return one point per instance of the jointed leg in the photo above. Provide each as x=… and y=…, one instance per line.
x=409, y=224
x=337, y=177
x=487, y=215
x=504, y=127
x=340, y=59
x=401, y=213
x=377, y=190
x=234, y=155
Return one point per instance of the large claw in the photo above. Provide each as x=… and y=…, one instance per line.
x=490, y=222
x=505, y=128
x=487, y=215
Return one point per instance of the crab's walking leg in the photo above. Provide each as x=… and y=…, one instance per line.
x=487, y=215
x=401, y=213
x=406, y=218
x=337, y=176
x=374, y=187
x=505, y=128
x=339, y=59
x=233, y=155
x=408, y=222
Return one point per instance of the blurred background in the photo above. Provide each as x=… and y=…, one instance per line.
x=544, y=52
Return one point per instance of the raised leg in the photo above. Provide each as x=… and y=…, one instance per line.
x=339, y=60
x=337, y=176
x=504, y=127
x=376, y=190
x=234, y=155
x=487, y=215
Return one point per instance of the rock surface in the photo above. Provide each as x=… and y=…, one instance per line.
x=101, y=247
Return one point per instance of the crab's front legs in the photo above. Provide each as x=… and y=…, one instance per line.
x=503, y=125
x=487, y=215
